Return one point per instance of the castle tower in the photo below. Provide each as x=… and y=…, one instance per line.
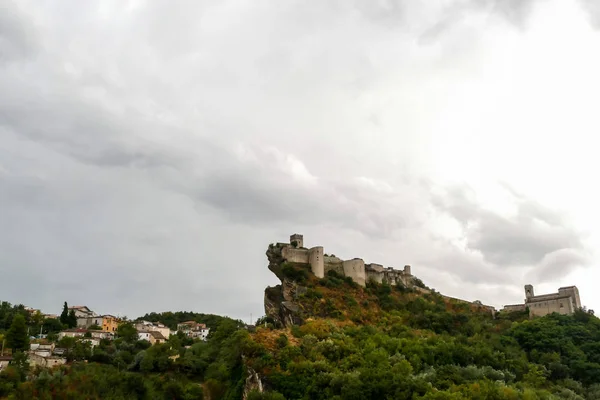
x=407, y=270
x=528, y=292
x=573, y=292
x=299, y=239
x=317, y=261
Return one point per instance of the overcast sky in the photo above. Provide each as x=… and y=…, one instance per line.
x=151, y=150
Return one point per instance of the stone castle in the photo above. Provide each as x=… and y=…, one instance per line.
x=566, y=301
x=356, y=268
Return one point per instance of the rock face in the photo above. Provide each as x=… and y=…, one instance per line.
x=280, y=300
x=253, y=382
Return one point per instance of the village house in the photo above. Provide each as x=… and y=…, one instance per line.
x=76, y=332
x=102, y=334
x=59, y=351
x=31, y=310
x=194, y=329
x=92, y=341
x=42, y=349
x=154, y=337
x=47, y=362
x=108, y=323
x=5, y=361
x=153, y=326
x=42, y=354
x=81, y=332
x=82, y=311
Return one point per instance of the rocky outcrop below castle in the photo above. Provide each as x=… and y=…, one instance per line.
x=280, y=304
x=253, y=383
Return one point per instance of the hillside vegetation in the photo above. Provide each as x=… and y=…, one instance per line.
x=378, y=342
x=387, y=342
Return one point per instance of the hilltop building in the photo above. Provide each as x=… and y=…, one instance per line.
x=108, y=323
x=355, y=268
x=154, y=337
x=82, y=311
x=149, y=326
x=194, y=330
x=566, y=302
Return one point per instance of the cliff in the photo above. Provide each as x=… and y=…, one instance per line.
x=281, y=301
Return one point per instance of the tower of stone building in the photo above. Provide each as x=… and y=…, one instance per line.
x=299, y=239
x=317, y=261
x=573, y=292
x=528, y=292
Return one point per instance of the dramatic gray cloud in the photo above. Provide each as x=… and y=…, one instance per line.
x=150, y=152
x=533, y=235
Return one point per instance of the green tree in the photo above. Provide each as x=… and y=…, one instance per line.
x=52, y=325
x=127, y=332
x=16, y=337
x=72, y=319
x=64, y=316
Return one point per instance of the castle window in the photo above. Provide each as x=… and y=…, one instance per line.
x=561, y=305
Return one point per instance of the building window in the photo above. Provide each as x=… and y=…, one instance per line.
x=561, y=305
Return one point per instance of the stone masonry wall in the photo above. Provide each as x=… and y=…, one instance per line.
x=295, y=255
x=355, y=269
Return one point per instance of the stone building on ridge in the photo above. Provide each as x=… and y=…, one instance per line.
x=565, y=302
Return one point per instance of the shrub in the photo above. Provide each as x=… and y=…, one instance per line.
x=282, y=341
x=297, y=274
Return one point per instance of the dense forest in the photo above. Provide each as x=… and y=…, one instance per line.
x=379, y=342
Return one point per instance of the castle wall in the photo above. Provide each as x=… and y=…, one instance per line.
x=514, y=307
x=334, y=264
x=295, y=255
x=317, y=261
x=374, y=276
x=557, y=304
x=393, y=277
x=355, y=269
x=374, y=272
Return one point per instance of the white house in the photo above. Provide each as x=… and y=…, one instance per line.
x=102, y=334
x=194, y=329
x=72, y=333
x=4, y=361
x=153, y=337
x=92, y=341
x=153, y=326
